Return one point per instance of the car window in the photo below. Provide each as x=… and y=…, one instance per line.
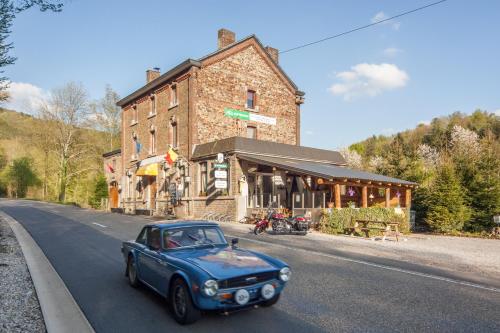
x=154, y=238
x=192, y=236
x=142, y=238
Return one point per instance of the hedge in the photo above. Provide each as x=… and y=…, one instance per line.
x=335, y=221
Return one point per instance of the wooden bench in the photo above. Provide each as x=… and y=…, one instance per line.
x=387, y=228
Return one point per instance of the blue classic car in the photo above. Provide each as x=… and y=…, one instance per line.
x=194, y=268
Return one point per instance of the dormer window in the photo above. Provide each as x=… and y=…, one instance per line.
x=250, y=99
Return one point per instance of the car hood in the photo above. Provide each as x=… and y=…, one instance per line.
x=224, y=263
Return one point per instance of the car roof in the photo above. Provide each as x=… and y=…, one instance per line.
x=181, y=223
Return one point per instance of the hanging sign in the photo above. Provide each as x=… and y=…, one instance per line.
x=245, y=115
x=220, y=158
x=220, y=174
x=220, y=165
x=221, y=184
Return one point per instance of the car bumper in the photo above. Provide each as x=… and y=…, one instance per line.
x=224, y=300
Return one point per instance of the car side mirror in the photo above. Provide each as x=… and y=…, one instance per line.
x=234, y=241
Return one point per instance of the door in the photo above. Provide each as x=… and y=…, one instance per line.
x=113, y=195
x=147, y=258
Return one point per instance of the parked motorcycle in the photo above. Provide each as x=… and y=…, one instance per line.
x=271, y=217
x=295, y=224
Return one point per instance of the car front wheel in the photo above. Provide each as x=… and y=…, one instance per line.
x=271, y=301
x=181, y=304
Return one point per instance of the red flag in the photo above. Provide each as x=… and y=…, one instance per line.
x=110, y=168
x=171, y=156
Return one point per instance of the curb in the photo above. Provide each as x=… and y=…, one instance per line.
x=60, y=311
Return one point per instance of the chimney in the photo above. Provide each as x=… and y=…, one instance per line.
x=152, y=74
x=274, y=53
x=225, y=38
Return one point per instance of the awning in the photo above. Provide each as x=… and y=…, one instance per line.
x=322, y=170
x=148, y=170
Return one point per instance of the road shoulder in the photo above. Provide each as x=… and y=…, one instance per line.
x=59, y=309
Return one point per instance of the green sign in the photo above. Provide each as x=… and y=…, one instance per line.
x=220, y=165
x=237, y=114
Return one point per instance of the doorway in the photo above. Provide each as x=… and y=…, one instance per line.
x=113, y=195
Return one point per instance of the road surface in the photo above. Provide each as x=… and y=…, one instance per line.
x=330, y=291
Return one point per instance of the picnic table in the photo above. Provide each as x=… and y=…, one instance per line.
x=388, y=228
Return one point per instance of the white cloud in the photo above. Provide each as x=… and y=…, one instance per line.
x=392, y=51
x=369, y=80
x=380, y=16
x=24, y=97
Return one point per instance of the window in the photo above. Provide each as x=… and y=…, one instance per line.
x=251, y=132
x=143, y=236
x=204, y=177
x=173, y=91
x=154, y=239
x=153, y=105
x=174, y=135
x=192, y=237
x=153, y=143
x=250, y=99
x=129, y=187
x=134, y=115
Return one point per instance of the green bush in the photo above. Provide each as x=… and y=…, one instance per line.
x=100, y=191
x=337, y=221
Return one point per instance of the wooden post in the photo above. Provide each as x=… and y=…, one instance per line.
x=387, y=197
x=364, y=197
x=408, y=198
x=337, y=196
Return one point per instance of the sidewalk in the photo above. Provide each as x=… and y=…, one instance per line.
x=457, y=254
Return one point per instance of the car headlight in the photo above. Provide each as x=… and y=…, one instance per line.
x=210, y=287
x=285, y=273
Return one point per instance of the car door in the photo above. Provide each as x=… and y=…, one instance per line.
x=145, y=259
x=153, y=258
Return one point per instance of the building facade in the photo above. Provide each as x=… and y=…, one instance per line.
x=221, y=114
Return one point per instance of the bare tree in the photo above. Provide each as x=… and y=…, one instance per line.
x=67, y=111
x=107, y=116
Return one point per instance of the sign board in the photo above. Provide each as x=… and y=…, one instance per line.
x=220, y=165
x=151, y=160
x=220, y=174
x=220, y=158
x=221, y=184
x=278, y=180
x=245, y=115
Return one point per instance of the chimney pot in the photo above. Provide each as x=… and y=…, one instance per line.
x=274, y=53
x=224, y=38
x=152, y=74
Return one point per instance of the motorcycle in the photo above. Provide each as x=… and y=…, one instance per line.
x=295, y=224
x=271, y=218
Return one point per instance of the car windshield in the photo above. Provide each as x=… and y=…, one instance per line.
x=192, y=236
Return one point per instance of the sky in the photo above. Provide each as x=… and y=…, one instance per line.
x=380, y=80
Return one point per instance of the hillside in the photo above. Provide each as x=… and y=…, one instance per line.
x=25, y=136
x=456, y=161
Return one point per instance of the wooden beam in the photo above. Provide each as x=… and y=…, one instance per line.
x=387, y=197
x=337, y=196
x=364, y=197
x=408, y=198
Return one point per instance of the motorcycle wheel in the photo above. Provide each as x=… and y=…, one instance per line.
x=258, y=230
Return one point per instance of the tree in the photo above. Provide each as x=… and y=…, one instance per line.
x=100, y=191
x=8, y=11
x=446, y=209
x=108, y=116
x=21, y=175
x=484, y=188
x=67, y=112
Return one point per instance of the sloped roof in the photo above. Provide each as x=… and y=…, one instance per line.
x=322, y=170
x=267, y=148
x=188, y=63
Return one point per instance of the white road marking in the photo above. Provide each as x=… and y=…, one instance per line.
x=367, y=263
x=102, y=226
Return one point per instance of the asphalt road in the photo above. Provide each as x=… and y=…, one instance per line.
x=330, y=291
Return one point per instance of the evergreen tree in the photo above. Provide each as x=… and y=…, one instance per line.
x=100, y=191
x=484, y=191
x=446, y=209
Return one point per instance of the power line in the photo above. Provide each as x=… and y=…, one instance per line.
x=364, y=27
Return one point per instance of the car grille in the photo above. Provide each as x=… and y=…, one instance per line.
x=247, y=280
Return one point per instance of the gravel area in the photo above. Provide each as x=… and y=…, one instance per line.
x=19, y=307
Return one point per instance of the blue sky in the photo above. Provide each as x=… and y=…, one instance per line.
x=376, y=81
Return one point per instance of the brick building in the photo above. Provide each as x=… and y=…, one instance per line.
x=236, y=105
